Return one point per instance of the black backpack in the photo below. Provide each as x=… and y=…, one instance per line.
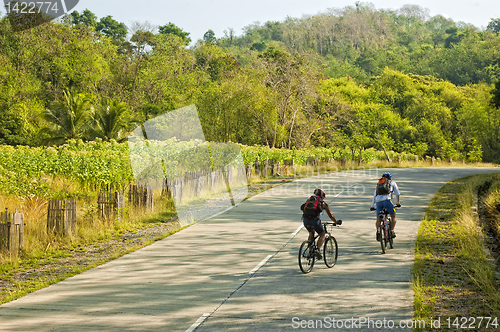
x=384, y=186
x=313, y=206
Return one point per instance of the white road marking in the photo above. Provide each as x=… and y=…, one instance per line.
x=264, y=261
x=297, y=230
x=198, y=323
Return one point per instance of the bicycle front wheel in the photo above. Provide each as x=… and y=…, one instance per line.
x=306, y=258
x=330, y=251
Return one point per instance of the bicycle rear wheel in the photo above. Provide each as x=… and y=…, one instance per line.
x=383, y=240
x=306, y=258
x=330, y=251
x=390, y=235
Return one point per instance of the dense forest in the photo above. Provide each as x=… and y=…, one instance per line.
x=354, y=77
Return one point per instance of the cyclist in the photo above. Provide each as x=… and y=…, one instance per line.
x=382, y=199
x=312, y=209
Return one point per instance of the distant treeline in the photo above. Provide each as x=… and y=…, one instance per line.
x=354, y=77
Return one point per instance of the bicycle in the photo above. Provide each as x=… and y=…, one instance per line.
x=385, y=222
x=307, y=251
x=385, y=230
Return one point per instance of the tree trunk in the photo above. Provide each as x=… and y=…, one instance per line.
x=385, y=152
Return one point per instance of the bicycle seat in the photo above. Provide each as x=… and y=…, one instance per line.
x=384, y=211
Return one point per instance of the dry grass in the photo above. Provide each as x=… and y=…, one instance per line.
x=91, y=227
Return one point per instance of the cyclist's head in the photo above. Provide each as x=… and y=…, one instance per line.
x=320, y=193
x=387, y=175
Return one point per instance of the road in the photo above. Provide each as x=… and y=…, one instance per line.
x=238, y=271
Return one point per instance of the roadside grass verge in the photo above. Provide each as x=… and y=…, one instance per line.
x=454, y=274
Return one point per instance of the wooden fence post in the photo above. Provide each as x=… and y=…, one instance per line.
x=141, y=196
x=165, y=190
x=11, y=232
x=111, y=204
x=61, y=216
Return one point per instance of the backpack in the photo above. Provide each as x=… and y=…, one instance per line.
x=384, y=186
x=313, y=206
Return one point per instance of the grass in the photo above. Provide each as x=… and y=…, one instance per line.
x=453, y=274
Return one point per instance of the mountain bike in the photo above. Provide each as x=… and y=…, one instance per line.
x=385, y=221
x=308, y=250
x=385, y=230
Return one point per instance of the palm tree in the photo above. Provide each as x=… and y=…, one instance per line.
x=66, y=120
x=111, y=121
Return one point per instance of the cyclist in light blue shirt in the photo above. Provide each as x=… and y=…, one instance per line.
x=382, y=199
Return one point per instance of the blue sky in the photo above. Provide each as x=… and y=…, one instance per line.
x=197, y=16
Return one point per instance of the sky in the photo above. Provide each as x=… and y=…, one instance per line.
x=198, y=16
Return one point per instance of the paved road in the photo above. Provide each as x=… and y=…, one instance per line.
x=208, y=277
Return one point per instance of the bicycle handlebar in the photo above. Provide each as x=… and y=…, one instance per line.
x=339, y=222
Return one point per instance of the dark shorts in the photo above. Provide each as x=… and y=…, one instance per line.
x=315, y=224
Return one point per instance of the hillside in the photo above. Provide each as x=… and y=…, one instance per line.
x=354, y=77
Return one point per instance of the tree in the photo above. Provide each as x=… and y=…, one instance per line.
x=87, y=18
x=66, y=120
x=453, y=38
x=494, y=25
x=293, y=81
x=172, y=29
x=111, y=121
x=495, y=100
x=141, y=39
x=209, y=37
x=112, y=28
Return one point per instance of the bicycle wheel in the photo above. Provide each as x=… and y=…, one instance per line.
x=390, y=235
x=306, y=258
x=383, y=240
x=330, y=251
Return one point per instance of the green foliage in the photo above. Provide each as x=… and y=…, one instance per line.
x=86, y=18
x=172, y=29
x=112, y=28
x=209, y=37
x=29, y=170
x=266, y=87
x=106, y=25
x=494, y=25
x=67, y=120
x=111, y=121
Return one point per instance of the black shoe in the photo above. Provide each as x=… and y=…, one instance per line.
x=318, y=255
x=393, y=235
x=378, y=236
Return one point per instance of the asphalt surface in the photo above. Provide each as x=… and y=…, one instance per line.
x=238, y=271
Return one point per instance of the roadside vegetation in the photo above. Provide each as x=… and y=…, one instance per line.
x=354, y=77
x=456, y=271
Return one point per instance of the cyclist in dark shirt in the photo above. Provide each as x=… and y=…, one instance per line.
x=311, y=217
